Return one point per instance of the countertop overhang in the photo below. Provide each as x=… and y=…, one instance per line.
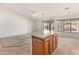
x=41, y=35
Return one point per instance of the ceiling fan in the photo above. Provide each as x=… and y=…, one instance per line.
x=36, y=12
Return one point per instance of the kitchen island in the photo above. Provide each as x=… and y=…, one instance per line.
x=43, y=44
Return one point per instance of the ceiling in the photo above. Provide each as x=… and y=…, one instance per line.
x=44, y=10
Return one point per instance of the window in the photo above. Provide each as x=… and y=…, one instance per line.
x=59, y=26
x=68, y=25
x=52, y=26
x=48, y=26
x=62, y=25
x=71, y=26
x=75, y=26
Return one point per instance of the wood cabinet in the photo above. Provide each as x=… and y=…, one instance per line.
x=44, y=46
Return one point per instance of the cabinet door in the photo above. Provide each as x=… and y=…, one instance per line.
x=46, y=47
x=37, y=46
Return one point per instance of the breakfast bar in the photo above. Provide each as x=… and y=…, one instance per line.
x=43, y=44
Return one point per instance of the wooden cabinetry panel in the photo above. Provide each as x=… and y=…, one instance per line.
x=46, y=47
x=51, y=44
x=37, y=47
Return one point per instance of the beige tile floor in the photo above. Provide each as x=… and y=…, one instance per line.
x=66, y=46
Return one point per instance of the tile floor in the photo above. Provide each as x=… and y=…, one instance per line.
x=67, y=46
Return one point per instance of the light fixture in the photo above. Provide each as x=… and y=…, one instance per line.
x=68, y=12
x=35, y=13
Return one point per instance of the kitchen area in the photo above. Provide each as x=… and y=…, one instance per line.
x=45, y=42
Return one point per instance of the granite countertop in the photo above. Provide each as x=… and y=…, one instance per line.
x=41, y=34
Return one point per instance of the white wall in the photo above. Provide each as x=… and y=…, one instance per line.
x=39, y=26
x=14, y=24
